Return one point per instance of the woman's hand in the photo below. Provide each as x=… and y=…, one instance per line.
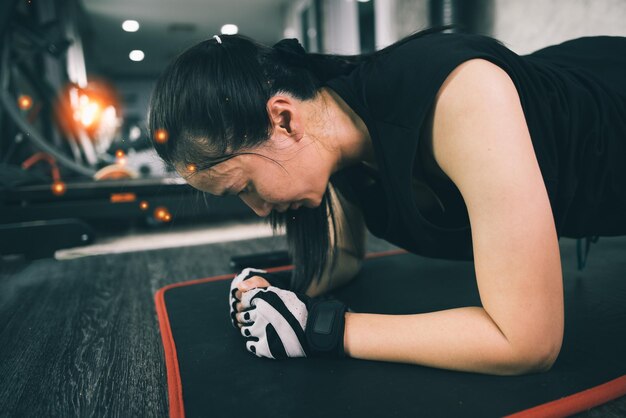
x=280, y=324
x=244, y=281
x=251, y=283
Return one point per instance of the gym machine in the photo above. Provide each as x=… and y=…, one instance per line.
x=63, y=177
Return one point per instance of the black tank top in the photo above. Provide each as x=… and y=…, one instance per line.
x=574, y=99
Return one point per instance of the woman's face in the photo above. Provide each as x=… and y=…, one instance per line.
x=262, y=183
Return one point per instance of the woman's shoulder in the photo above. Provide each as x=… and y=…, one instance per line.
x=399, y=87
x=475, y=94
x=402, y=85
x=432, y=50
x=474, y=79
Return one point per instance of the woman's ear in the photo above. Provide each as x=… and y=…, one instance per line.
x=285, y=116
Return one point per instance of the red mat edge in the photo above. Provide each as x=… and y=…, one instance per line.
x=578, y=402
x=563, y=407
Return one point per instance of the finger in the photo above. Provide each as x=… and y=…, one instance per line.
x=258, y=281
x=241, y=277
x=249, y=332
x=233, y=305
x=251, y=283
x=251, y=347
x=246, y=298
x=258, y=347
x=247, y=317
x=245, y=331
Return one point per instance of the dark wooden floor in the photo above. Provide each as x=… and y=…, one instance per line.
x=80, y=337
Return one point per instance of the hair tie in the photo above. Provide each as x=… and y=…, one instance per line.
x=218, y=39
x=290, y=46
x=291, y=51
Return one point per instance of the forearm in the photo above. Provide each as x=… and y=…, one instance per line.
x=346, y=268
x=349, y=231
x=463, y=339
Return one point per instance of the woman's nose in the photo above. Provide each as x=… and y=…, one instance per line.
x=258, y=205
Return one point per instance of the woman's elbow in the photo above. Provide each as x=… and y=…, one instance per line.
x=539, y=363
x=537, y=358
x=547, y=357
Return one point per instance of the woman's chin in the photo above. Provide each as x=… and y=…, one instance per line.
x=311, y=204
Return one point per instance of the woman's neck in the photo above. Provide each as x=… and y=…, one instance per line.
x=345, y=131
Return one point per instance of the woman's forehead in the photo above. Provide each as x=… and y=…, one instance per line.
x=224, y=169
x=213, y=180
x=220, y=175
x=192, y=173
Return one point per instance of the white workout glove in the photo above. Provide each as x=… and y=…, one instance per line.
x=281, y=324
x=232, y=299
x=275, y=279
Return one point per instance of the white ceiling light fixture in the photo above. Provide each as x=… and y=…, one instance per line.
x=229, y=29
x=136, y=55
x=290, y=33
x=130, y=25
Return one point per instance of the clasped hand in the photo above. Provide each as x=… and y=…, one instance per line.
x=272, y=320
x=278, y=323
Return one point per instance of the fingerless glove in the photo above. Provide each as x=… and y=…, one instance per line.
x=278, y=324
x=280, y=280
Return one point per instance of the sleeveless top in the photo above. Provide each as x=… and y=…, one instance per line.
x=574, y=100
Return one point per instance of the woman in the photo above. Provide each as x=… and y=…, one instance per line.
x=448, y=145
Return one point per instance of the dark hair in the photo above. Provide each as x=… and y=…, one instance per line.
x=211, y=101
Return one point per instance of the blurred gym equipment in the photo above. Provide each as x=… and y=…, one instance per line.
x=64, y=145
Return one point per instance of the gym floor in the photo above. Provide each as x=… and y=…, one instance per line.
x=79, y=334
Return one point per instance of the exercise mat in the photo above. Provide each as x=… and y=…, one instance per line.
x=210, y=373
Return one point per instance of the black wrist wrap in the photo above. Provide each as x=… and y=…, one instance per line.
x=325, y=327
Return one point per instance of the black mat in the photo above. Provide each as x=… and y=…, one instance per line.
x=210, y=373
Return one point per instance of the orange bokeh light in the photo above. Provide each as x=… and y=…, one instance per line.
x=58, y=188
x=161, y=213
x=161, y=136
x=120, y=157
x=167, y=218
x=191, y=168
x=25, y=102
x=144, y=205
x=87, y=107
x=89, y=111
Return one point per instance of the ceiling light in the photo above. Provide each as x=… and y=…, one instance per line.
x=130, y=25
x=230, y=29
x=290, y=33
x=136, y=55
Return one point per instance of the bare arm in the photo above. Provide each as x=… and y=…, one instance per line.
x=481, y=141
x=350, y=243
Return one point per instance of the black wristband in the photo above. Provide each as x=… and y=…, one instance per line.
x=325, y=328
